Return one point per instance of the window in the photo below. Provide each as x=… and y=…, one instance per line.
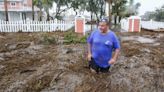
x=13, y=4
x=25, y=1
x=1, y=3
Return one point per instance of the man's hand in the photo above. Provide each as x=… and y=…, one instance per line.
x=112, y=61
x=114, y=58
x=89, y=57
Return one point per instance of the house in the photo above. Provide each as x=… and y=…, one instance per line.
x=18, y=10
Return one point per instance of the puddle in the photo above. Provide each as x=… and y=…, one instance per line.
x=145, y=40
x=139, y=39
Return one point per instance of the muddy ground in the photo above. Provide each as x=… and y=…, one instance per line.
x=29, y=64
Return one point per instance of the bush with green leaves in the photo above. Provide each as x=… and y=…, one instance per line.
x=49, y=39
x=72, y=37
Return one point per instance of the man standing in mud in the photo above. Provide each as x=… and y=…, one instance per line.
x=101, y=44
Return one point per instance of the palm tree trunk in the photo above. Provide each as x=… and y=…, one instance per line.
x=25, y=16
x=105, y=7
x=110, y=10
x=91, y=21
x=6, y=10
x=40, y=8
x=48, y=16
x=120, y=18
x=90, y=3
x=40, y=15
x=33, y=17
x=115, y=19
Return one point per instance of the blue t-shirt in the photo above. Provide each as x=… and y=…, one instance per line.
x=102, y=46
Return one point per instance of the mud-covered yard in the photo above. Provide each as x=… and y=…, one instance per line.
x=30, y=62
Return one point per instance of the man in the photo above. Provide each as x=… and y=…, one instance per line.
x=101, y=43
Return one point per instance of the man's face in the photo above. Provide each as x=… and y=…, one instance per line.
x=103, y=27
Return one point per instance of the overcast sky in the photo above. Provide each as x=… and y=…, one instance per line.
x=146, y=5
x=149, y=5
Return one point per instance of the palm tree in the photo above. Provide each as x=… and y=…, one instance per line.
x=68, y=3
x=133, y=8
x=44, y=4
x=38, y=3
x=47, y=4
x=117, y=9
x=6, y=10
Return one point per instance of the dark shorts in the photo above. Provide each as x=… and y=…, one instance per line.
x=98, y=69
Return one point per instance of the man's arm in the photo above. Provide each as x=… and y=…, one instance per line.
x=116, y=46
x=115, y=56
x=89, y=52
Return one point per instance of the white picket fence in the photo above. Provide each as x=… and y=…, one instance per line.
x=152, y=25
x=35, y=26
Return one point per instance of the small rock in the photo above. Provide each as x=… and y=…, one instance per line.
x=12, y=47
x=146, y=50
x=156, y=44
x=160, y=36
x=67, y=50
x=1, y=66
x=23, y=45
x=2, y=59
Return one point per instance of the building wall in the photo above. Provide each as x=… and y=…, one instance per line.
x=18, y=16
x=12, y=5
x=29, y=3
x=17, y=4
x=15, y=9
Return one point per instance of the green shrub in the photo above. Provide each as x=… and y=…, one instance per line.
x=83, y=39
x=72, y=37
x=49, y=39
